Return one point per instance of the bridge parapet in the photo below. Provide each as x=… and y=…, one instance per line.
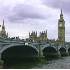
x=46, y=45
x=35, y=44
x=4, y=43
x=11, y=45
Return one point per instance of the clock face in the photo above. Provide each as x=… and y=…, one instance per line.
x=60, y=25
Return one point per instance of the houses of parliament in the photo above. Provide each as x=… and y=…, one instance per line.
x=43, y=35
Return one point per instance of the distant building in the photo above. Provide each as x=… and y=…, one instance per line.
x=3, y=33
x=33, y=36
x=43, y=36
x=51, y=41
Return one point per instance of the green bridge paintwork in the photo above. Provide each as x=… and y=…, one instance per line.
x=44, y=48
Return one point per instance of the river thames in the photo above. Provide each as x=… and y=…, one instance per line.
x=57, y=63
x=62, y=63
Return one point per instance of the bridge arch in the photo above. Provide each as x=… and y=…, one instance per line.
x=19, y=51
x=44, y=46
x=49, y=51
x=69, y=51
x=62, y=51
x=12, y=45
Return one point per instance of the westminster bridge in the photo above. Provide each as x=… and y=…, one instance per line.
x=12, y=49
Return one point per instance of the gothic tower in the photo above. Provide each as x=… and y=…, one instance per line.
x=61, y=29
x=3, y=32
x=3, y=27
x=43, y=36
x=33, y=36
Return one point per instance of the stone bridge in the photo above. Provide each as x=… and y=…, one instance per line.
x=55, y=49
x=19, y=49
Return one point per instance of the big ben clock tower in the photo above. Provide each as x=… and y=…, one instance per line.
x=61, y=29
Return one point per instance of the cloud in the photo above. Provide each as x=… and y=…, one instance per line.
x=58, y=4
x=25, y=11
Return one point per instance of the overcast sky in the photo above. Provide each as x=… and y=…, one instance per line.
x=24, y=16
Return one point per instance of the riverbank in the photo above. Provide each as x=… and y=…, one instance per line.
x=62, y=63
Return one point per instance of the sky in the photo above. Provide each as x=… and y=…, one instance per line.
x=24, y=16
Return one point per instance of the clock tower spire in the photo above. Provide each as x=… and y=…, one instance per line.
x=61, y=15
x=61, y=29
x=61, y=11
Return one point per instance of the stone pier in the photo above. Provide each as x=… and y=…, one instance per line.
x=1, y=63
x=41, y=52
x=58, y=52
x=67, y=53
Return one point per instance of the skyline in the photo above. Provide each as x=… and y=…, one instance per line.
x=34, y=15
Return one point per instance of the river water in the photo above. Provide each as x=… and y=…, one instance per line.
x=62, y=63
